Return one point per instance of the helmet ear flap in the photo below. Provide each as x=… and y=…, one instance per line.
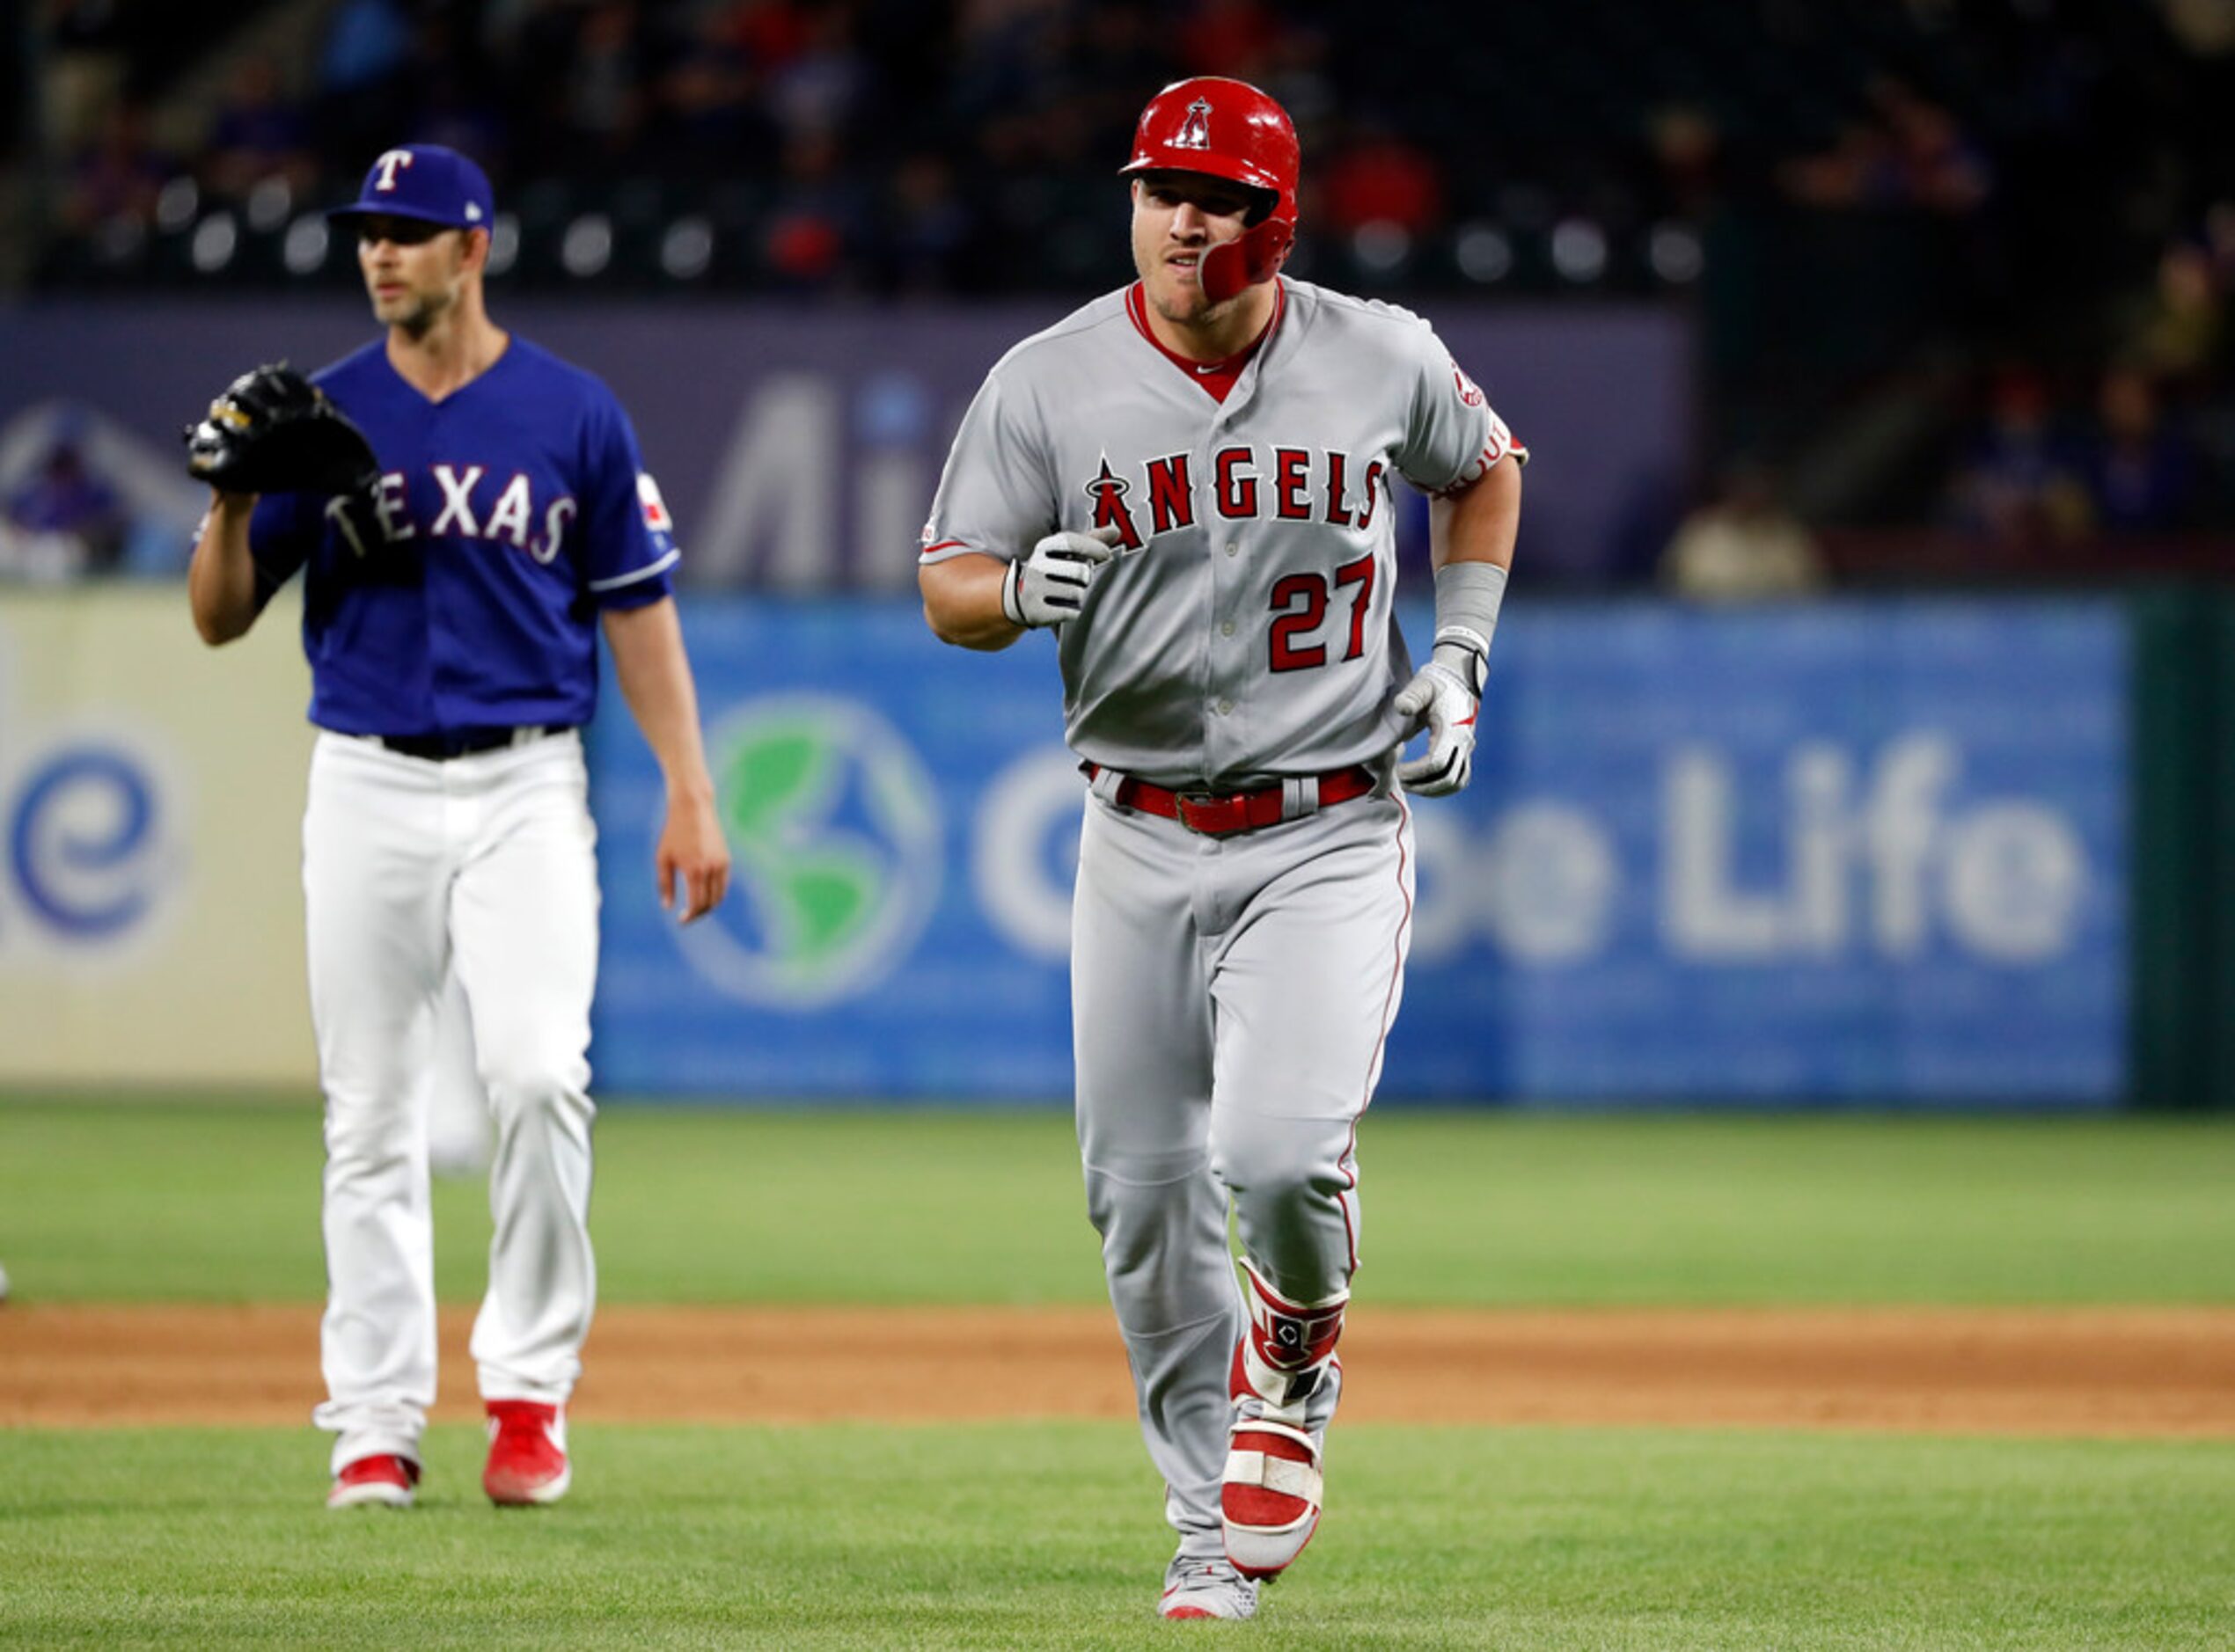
x=1255, y=255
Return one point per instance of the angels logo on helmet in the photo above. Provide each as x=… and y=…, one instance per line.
x=1195, y=131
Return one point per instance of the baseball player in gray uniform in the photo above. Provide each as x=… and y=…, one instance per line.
x=1190, y=480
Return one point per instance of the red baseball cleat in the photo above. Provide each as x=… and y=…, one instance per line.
x=527, y=1453
x=380, y=1482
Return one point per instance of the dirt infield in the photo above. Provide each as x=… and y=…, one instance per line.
x=2091, y=1371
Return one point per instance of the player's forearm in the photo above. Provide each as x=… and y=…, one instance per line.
x=1481, y=525
x=221, y=581
x=1472, y=535
x=656, y=680
x=962, y=603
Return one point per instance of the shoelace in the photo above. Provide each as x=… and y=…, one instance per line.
x=1196, y=1574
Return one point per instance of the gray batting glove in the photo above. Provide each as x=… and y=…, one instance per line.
x=1046, y=588
x=1447, y=694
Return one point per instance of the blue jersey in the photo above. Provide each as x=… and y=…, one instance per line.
x=518, y=507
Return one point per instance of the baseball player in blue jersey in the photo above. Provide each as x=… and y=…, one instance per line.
x=457, y=576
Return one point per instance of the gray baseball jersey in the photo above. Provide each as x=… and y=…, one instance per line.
x=1245, y=631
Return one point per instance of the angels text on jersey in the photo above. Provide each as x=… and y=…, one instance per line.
x=1249, y=482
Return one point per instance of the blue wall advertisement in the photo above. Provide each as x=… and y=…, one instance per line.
x=799, y=445
x=1867, y=853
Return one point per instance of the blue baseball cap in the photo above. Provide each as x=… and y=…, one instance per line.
x=428, y=182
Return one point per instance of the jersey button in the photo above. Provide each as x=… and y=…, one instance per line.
x=1232, y=547
x=1227, y=630
x=1225, y=706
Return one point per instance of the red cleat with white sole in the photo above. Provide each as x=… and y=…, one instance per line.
x=527, y=1453
x=385, y=1481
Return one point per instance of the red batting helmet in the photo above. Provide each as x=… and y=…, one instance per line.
x=1229, y=129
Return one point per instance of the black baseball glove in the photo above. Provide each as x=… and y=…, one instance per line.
x=274, y=432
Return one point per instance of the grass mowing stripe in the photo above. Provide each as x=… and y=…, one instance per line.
x=1048, y=1535
x=196, y=1201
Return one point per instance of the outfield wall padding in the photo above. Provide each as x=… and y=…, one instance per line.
x=1908, y=852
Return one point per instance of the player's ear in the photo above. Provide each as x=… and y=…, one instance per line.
x=473, y=249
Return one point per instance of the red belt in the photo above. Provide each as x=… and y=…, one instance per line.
x=1217, y=814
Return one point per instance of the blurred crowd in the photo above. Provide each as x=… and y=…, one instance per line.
x=2141, y=444
x=888, y=145
x=63, y=519
x=2002, y=231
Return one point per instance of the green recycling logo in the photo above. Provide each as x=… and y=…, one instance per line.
x=833, y=828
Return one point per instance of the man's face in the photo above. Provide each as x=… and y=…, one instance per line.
x=414, y=270
x=1177, y=217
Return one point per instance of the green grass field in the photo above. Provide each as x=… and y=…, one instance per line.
x=171, y=1202
x=1048, y=1534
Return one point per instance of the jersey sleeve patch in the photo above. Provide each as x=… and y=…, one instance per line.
x=1500, y=444
x=656, y=513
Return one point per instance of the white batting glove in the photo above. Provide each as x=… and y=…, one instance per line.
x=1046, y=588
x=1445, y=693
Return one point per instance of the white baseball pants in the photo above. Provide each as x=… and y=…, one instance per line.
x=485, y=864
x=1229, y=1000
x=457, y=1112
